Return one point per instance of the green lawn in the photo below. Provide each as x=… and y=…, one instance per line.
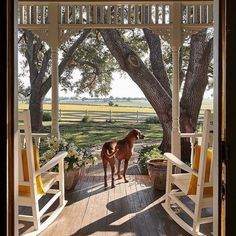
x=96, y=133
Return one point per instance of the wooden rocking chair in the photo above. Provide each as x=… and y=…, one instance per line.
x=195, y=184
x=38, y=183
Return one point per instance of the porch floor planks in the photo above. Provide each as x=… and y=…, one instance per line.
x=70, y=213
x=93, y=210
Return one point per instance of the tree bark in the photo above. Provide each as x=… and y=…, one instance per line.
x=156, y=91
x=155, y=82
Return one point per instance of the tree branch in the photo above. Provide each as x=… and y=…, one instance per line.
x=67, y=58
x=156, y=59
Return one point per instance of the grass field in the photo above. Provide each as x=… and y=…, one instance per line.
x=94, y=134
x=124, y=106
x=78, y=107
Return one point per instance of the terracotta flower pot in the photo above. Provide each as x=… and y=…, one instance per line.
x=157, y=172
x=72, y=176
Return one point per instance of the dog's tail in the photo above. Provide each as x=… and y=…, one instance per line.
x=110, y=155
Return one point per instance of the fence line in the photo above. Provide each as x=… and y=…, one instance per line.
x=108, y=116
x=104, y=116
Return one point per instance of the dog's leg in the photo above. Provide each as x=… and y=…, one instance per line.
x=118, y=169
x=105, y=173
x=125, y=169
x=112, y=164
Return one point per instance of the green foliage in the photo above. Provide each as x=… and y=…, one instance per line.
x=76, y=156
x=86, y=119
x=148, y=153
x=95, y=63
x=47, y=116
x=152, y=120
x=111, y=104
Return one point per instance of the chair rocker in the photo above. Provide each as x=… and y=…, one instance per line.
x=179, y=185
x=38, y=183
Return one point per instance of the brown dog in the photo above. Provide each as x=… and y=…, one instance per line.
x=122, y=150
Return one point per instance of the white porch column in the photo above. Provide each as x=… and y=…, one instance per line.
x=55, y=95
x=175, y=44
x=53, y=38
x=175, y=135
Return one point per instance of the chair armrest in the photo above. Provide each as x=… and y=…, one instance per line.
x=190, y=135
x=54, y=161
x=40, y=135
x=37, y=135
x=177, y=162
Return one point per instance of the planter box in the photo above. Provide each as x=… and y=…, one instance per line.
x=157, y=172
x=72, y=177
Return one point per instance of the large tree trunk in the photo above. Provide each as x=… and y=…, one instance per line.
x=155, y=85
x=195, y=86
x=36, y=111
x=156, y=90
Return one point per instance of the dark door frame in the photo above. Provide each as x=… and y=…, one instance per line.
x=8, y=98
x=230, y=131
x=8, y=82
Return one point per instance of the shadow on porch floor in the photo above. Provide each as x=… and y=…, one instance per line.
x=128, y=209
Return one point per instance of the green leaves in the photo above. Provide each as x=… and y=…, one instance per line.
x=148, y=153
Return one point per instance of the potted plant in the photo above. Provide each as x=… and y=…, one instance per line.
x=75, y=162
x=152, y=162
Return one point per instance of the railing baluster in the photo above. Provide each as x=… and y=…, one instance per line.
x=22, y=13
x=28, y=14
x=73, y=16
x=157, y=14
x=95, y=15
x=115, y=14
x=102, y=14
x=150, y=14
x=136, y=13
x=210, y=13
x=163, y=14
x=122, y=14
x=42, y=10
x=80, y=14
x=204, y=13
x=109, y=15
x=34, y=15
x=195, y=14
x=129, y=14
x=143, y=14
x=66, y=14
x=187, y=14
x=87, y=14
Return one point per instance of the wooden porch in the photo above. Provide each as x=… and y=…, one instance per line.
x=128, y=209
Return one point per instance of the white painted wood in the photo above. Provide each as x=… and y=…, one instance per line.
x=129, y=14
x=55, y=93
x=102, y=14
x=192, y=137
x=218, y=65
x=163, y=14
x=182, y=181
x=28, y=14
x=80, y=15
x=32, y=198
x=109, y=15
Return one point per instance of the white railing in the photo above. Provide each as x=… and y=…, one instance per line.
x=201, y=13
x=33, y=14
x=138, y=14
x=99, y=14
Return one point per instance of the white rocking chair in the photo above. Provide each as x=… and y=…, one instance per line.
x=201, y=197
x=36, y=182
